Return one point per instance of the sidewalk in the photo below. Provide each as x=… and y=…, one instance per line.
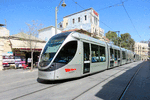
x=11, y=71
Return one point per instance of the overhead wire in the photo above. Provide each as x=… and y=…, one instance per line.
x=84, y=8
x=118, y=4
x=106, y=25
x=77, y=4
x=130, y=18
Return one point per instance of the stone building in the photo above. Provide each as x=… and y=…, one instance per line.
x=47, y=32
x=3, y=47
x=142, y=50
x=87, y=20
x=18, y=46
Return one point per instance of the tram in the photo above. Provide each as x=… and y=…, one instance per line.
x=72, y=54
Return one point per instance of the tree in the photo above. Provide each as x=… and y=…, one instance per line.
x=124, y=41
x=127, y=42
x=112, y=36
x=32, y=39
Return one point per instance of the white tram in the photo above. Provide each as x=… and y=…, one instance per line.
x=71, y=54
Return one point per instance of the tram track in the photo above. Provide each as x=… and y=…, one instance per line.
x=16, y=82
x=33, y=84
x=129, y=83
x=13, y=83
x=107, y=79
x=53, y=85
x=18, y=72
x=34, y=92
x=18, y=87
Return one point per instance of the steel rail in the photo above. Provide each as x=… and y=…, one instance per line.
x=129, y=83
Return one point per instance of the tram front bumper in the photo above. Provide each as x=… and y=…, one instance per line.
x=46, y=75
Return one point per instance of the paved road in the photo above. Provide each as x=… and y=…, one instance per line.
x=140, y=86
x=107, y=85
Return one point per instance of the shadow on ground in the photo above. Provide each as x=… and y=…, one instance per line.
x=114, y=88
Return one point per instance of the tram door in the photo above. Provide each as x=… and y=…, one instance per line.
x=86, y=58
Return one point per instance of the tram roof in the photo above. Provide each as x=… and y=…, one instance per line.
x=114, y=46
x=87, y=38
x=129, y=51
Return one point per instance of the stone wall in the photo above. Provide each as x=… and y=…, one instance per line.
x=1, y=51
x=3, y=33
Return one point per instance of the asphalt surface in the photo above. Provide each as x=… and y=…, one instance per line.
x=127, y=82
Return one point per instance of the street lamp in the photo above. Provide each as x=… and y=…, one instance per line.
x=56, y=10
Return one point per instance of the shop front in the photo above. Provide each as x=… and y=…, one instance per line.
x=23, y=56
x=19, y=53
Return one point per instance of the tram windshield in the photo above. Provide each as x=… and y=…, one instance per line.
x=51, y=48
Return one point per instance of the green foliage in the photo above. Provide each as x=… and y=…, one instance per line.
x=112, y=36
x=95, y=37
x=124, y=41
x=127, y=42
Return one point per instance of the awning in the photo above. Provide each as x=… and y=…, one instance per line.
x=26, y=45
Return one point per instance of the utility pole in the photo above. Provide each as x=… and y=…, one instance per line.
x=56, y=10
x=117, y=37
x=5, y=23
x=56, y=20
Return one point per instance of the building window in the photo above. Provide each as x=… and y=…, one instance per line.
x=78, y=19
x=60, y=26
x=73, y=21
x=85, y=17
x=93, y=30
x=95, y=20
x=66, y=24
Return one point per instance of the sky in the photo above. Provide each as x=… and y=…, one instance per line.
x=131, y=16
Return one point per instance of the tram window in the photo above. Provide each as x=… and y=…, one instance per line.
x=111, y=54
x=118, y=53
x=95, y=53
x=102, y=54
x=115, y=55
x=51, y=48
x=67, y=53
x=123, y=55
x=86, y=52
x=128, y=56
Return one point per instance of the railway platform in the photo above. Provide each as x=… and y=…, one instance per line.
x=126, y=82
